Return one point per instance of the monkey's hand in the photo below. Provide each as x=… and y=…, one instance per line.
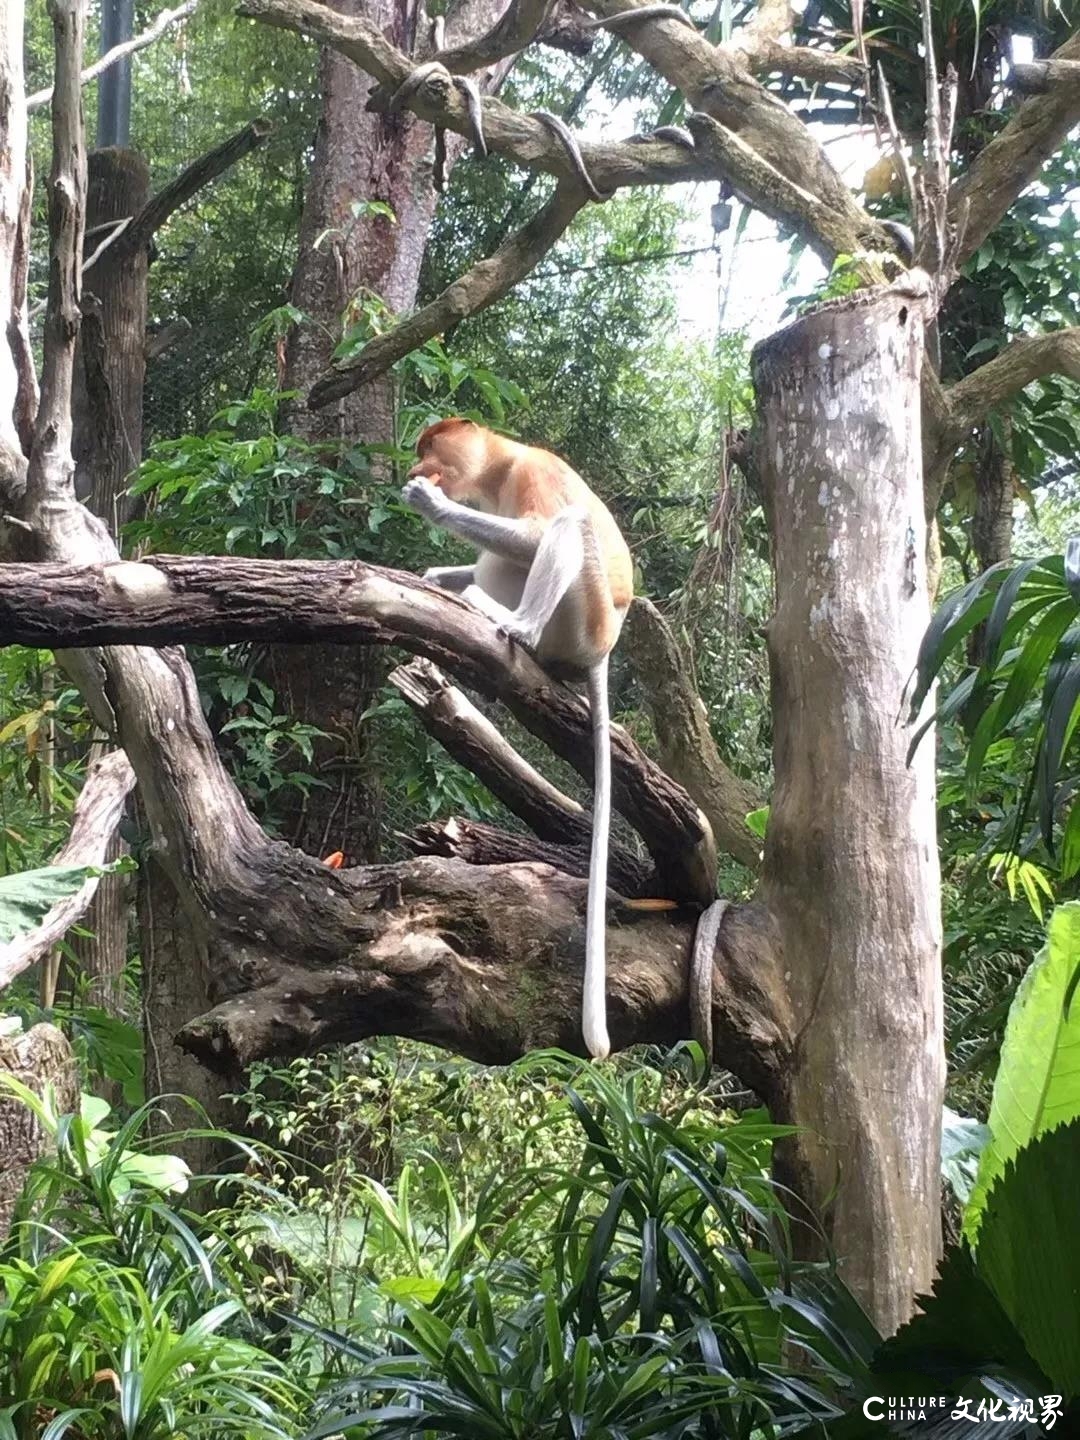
x=421, y=495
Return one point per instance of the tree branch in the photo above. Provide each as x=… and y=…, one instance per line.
x=1022, y=361
x=153, y=32
x=515, y=28
x=1038, y=77
x=715, y=80
x=97, y=813
x=470, y=737
x=488, y=281
x=174, y=599
x=51, y=466
x=485, y=961
x=521, y=138
x=479, y=844
x=687, y=749
x=189, y=182
x=1015, y=156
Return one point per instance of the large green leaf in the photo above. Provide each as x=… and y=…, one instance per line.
x=26, y=898
x=1028, y=1253
x=1038, y=1080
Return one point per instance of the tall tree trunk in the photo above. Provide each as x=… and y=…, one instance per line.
x=851, y=861
x=107, y=416
x=359, y=156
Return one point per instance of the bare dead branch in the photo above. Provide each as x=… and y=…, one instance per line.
x=470, y=737
x=1013, y=159
x=97, y=813
x=485, y=961
x=479, y=844
x=175, y=599
x=488, y=281
x=189, y=182
x=714, y=80
x=153, y=32
x=1038, y=77
x=1030, y=358
x=164, y=339
x=515, y=28
x=687, y=749
x=51, y=466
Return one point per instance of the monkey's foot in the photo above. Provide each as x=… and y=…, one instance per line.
x=519, y=633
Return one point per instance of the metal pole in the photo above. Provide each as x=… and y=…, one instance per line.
x=114, y=87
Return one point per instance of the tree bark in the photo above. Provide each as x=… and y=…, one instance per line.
x=107, y=418
x=851, y=862
x=107, y=399
x=40, y=1057
x=17, y=398
x=223, y=600
x=359, y=156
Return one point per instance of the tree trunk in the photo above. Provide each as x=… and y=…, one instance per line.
x=40, y=1057
x=851, y=861
x=107, y=415
x=174, y=988
x=359, y=156
x=107, y=397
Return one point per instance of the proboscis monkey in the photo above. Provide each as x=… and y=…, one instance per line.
x=553, y=572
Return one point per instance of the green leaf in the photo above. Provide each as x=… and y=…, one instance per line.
x=1060, y=722
x=955, y=618
x=1038, y=1080
x=960, y=1334
x=1003, y=603
x=757, y=821
x=1028, y=1252
x=26, y=898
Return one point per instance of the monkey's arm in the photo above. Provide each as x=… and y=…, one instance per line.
x=516, y=540
x=451, y=577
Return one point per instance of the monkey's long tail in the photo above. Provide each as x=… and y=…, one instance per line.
x=594, y=1008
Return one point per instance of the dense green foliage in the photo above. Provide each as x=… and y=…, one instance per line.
x=417, y=1245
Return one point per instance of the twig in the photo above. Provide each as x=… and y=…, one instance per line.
x=153, y=32
x=96, y=816
x=488, y=280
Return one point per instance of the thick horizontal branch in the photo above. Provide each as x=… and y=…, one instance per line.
x=480, y=844
x=488, y=280
x=485, y=961
x=687, y=749
x=94, y=820
x=1021, y=362
x=189, y=182
x=715, y=80
x=1015, y=156
x=176, y=599
x=167, y=18
x=521, y=138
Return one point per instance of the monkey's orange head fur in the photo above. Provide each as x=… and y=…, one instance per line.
x=452, y=456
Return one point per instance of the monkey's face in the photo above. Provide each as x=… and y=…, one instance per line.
x=449, y=460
